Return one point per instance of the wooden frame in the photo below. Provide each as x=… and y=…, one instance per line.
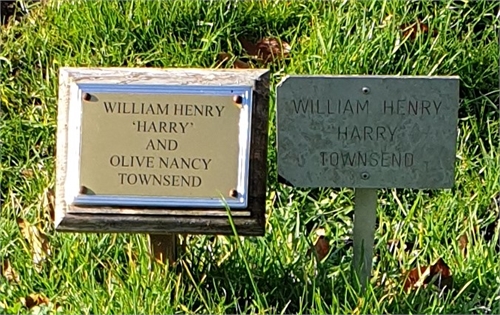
x=248, y=221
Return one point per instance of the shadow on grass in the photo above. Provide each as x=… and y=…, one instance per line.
x=293, y=287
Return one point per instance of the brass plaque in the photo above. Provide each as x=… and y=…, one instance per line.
x=159, y=145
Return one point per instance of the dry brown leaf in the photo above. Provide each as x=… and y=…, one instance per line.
x=322, y=246
x=38, y=242
x=462, y=244
x=239, y=64
x=8, y=272
x=441, y=275
x=416, y=277
x=34, y=299
x=266, y=50
x=438, y=274
x=250, y=47
x=412, y=30
x=270, y=49
x=223, y=57
x=27, y=173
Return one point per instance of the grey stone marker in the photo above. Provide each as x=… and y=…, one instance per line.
x=367, y=132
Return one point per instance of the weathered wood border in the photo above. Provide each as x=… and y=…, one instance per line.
x=168, y=220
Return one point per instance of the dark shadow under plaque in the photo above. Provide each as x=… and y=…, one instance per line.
x=162, y=150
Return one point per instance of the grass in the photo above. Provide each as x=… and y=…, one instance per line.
x=113, y=273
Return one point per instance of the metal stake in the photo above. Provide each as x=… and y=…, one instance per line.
x=365, y=214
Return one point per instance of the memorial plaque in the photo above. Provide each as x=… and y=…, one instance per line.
x=367, y=131
x=174, y=147
x=160, y=145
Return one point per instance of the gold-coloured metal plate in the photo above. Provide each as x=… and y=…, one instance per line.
x=159, y=145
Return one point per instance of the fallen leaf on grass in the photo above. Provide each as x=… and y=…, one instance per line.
x=441, y=275
x=416, y=278
x=270, y=49
x=34, y=299
x=250, y=47
x=321, y=245
x=462, y=244
x=27, y=173
x=414, y=29
x=438, y=274
x=38, y=242
x=266, y=50
x=8, y=272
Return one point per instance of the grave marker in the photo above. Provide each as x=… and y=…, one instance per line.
x=161, y=151
x=367, y=132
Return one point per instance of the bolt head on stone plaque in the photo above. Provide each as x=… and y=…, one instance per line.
x=161, y=150
x=367, y=131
